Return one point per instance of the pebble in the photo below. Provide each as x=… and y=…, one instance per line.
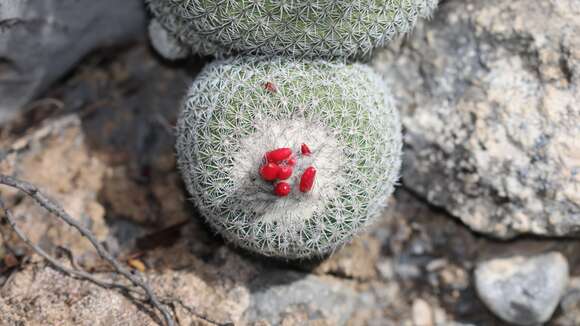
x=422, y=313
x=523, y=290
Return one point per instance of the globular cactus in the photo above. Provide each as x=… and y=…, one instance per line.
x=314, y=29
x=289, y=157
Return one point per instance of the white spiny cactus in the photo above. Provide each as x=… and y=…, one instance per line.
x=241, y=108
x=314, y=29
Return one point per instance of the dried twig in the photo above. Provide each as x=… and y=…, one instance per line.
x=54, y=208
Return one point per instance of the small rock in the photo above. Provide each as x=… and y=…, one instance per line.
x=407, y=271
x=386, y=270
x=570, y=305
x=440, y=317
x=422, y=313
x=523, y=290
x=356, y=260
x=165, y=44
x=436, y=264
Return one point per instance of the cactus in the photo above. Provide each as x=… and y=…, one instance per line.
x=289, y=157
x=313, y=29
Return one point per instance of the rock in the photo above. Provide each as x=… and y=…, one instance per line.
x=45, y=297
x=356, y=261
x=166, y=45
x=570, y=305
x=520, y=290
x=386, y=269
x=422, y=313
x=278, y=294
x=40, y=157
x=489, y=100
x=41, y=40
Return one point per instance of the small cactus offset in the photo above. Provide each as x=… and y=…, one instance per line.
x=323, y=29
x=287, y=157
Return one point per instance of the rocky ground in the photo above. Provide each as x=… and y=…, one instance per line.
x=101, y=143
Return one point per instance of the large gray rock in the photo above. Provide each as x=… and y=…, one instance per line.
x=489, y=92
x=520, y=290
x=41, y=40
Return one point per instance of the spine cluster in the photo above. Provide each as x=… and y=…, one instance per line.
x=291, y=152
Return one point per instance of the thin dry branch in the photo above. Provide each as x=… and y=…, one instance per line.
x=54, y=208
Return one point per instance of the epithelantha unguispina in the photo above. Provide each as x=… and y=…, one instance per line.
x=326, y=29
x=239, y=109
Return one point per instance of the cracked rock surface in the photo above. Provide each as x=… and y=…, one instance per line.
x=489, y=93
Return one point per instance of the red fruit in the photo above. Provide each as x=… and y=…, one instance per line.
x=269, y=171
x=285, y=172
x=282, y=189
x=305, y=150
x=278, y=155
x=271, y=87
x=307, y=179
x=291, y=161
